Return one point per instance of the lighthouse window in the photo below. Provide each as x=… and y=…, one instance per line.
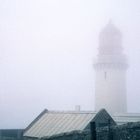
x=105, y=74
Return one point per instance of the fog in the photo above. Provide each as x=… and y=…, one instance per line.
x=47, y=51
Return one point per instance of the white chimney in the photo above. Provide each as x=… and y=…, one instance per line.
x=77, y=108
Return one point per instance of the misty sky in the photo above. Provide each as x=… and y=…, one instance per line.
x=47, y=51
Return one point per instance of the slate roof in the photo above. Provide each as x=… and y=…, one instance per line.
x=126, y=117
x=53, y=122
x=50, y=123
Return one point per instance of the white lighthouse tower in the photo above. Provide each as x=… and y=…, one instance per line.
x=110, y=71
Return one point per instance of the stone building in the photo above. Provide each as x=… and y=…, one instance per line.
x=50, y=123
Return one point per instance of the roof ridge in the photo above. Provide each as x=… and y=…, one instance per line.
x=71, y=112
x=126, y=114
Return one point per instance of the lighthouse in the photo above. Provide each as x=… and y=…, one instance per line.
x=110, y=71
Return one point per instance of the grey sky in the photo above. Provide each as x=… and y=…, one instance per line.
x=47, y=50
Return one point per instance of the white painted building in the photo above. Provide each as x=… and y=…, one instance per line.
x=110, y=70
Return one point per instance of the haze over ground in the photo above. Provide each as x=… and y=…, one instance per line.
x=47, y=51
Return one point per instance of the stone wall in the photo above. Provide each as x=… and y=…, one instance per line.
x=74, y=135
x=129, y=131
x=11, y=134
